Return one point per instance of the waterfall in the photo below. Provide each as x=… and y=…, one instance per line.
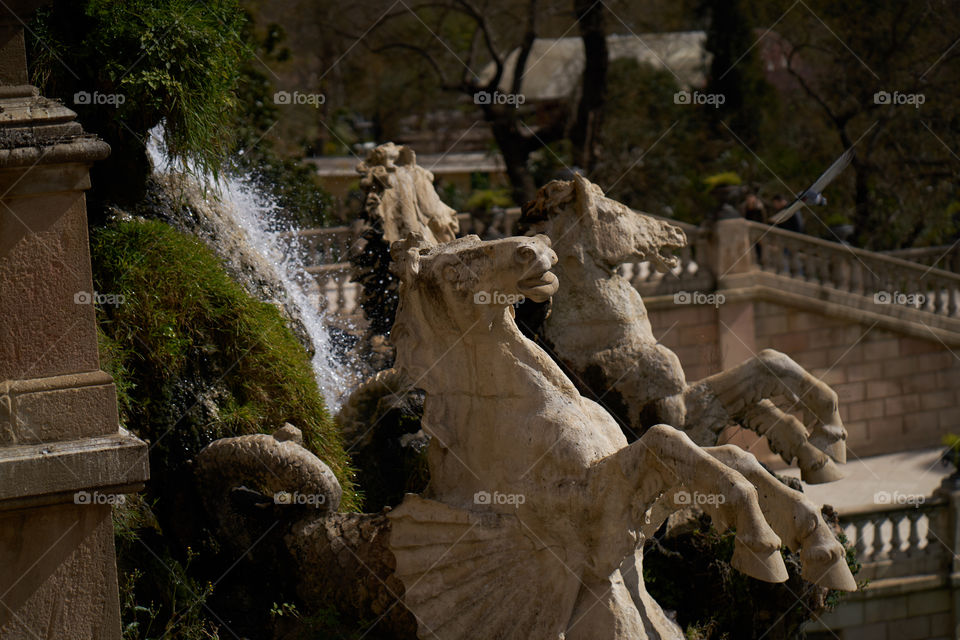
x=242, y=225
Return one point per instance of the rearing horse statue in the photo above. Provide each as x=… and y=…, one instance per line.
x=533, y=524
x=599, y=330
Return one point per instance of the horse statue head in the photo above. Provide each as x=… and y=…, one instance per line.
x=463, y=290
x=586, y=225
x=401, y=198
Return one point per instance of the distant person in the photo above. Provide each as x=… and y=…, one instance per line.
x=793, y=222
x=752, y=208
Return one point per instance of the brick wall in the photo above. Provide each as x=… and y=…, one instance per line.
x=690, y=331
x=896, y=392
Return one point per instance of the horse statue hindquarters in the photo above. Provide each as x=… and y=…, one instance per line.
x=599, y=329
x=534, y=520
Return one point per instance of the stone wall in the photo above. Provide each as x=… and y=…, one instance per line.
x=690, y=331
x=897, y=392
x=901, y=612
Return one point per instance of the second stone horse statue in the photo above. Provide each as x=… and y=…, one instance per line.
x=599, y=330
x=534, y=521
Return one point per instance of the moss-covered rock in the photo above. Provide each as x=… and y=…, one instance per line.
x=196, y=358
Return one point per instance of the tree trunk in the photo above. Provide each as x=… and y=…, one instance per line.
x=861, y=197
x=516, y=150
x=591, y=18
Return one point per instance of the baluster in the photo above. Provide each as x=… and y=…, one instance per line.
x=635, y=278
x=332, y=297
x=322, y=287
x=854, y=275
x=787, y=255
x=686, y=260
x=821, y=261
x=913, y=535
x=808, y=264
x=341, y=294
x=879, y=544
x=868, y=286
x=860, y=544
x=943, y=297
x=766, y=254
x=343, y=244
x=886, y=280
x=836, y=277
x=329, y=249
x=802, y=264
x=896, y=539
x=779, y=261
x=935, y=295
x=923, y=287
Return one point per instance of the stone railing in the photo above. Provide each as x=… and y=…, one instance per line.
x=728, y=256
x=902, y=541
x=323, y=246
x=945, y=257
x=881, y=278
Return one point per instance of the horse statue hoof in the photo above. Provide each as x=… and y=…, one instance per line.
x=827, y=473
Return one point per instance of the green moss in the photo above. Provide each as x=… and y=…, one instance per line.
x=174, y=61
x=195, y=357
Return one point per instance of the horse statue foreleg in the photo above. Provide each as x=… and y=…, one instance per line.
x=747, y=392
x=664, y=460
x=795, y=519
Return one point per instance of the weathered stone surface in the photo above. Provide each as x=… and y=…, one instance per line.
x=58, y=408
x=277, y=464
x=63, y=458
x=599, y=329
x=342, y=559
x=346, y=559
x=400, y=199
x=58, y=581
x=536, y=500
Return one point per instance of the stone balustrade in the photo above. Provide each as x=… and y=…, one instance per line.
x=884, y=278
x=901, y=540
x=323, y=246
x=729, y=256
x=908, y=552
x=946, y=257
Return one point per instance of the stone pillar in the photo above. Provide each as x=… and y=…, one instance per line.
x=732, y=257
x=63, y=458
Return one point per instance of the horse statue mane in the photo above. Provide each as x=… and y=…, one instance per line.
x=566, y=205
x=400, y=199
